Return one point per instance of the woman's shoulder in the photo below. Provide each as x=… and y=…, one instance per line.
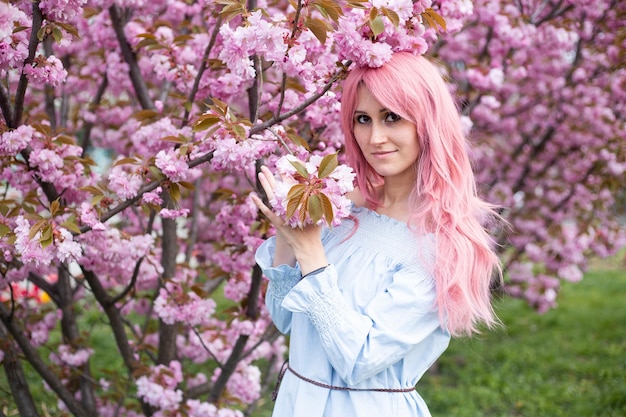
x=357, y=198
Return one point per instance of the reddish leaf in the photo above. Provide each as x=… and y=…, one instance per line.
x=327, y=208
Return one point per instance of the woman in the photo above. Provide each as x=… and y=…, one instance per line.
x=371, y=304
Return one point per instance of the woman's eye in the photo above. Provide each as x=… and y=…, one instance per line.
x=362, y=119
x=392, y=117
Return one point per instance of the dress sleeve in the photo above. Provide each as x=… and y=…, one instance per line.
x=282, y=279
x=360, y=345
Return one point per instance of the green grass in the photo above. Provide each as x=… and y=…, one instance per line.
x=568, y=362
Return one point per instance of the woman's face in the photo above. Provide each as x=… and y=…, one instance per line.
x=388, y=142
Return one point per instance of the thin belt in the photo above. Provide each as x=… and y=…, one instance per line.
x=286, y=367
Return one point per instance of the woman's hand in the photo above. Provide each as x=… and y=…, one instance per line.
x=301, y=244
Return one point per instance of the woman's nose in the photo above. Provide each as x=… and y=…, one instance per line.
x=378, y=134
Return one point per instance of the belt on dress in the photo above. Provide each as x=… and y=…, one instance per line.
x=286, y=367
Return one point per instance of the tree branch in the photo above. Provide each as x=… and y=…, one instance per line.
x=306, y=103
x=33, y=42
x=146, y=189
x=86, y=140
x=5, y=105
x=203, y=66
x=228, y=369
x=44, y=285
x=49, y=190
x=141, y=90
x=71, y=335
x=49, y=90
x=169, y=243
x=16, y=378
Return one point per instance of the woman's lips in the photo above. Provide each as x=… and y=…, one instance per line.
x=382, y=154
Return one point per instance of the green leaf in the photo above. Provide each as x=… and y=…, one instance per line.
x=188, y=185
x=41, y=33
x=298, y=140
x=125, y=161
x=300, y=168
x=175, y=192
x=4, y=230
x=54, y=207
x=302, y=212
x=391, y=15
x=142, y=115
x=329, y=8
x=327, y=166
x=71, y=226
x=433, y=19
x=318, y=27
x=296, y=191
x=201, y=292
x=205, y=122
x=327, y=208
x=293, y=205
x=46, y=235
x=240, y=132
x=182, y=39
x=69, y=29
x=46, y=242
x=57, y=34
x=147, y=43
x=64, y=140
x=91, y=189
x=377, y=25
x=314, y=206
x=174, y=139
x=36, y=228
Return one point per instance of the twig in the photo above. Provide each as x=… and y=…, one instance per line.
x=23, y=82
x=205, y=57
x=141, y=90
x=274, y=120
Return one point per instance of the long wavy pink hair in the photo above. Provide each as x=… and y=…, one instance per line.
x=444, y=200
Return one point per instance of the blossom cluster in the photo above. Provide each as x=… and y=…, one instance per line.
x=314, y=191
x=369, y=36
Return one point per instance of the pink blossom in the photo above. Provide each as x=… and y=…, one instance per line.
x=173, y=165
x=68, y=355
x=174, y=304
x=124, y=181
x=172, y=214
x=158, y=396
x=245, y=384
x=49, y=163
x=67, y=248
x=234, y=155
x=30, y=250
x=159, y=388
x=334, y=186
x=44, y=71
x=89, y=217
x=61, y=10
x=153, y=197
x=13, y=141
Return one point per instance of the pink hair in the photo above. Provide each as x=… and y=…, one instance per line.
x=444, y=200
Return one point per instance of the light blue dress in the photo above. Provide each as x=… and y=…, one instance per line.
x=366, y=321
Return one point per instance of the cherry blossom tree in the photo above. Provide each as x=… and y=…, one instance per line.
x=131, y=133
